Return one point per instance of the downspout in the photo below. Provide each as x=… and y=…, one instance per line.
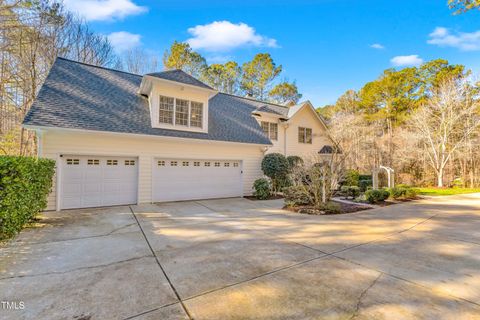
x=285, y=140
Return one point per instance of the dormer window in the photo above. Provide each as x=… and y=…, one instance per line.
x=270, y=129
x=180, y=112
x=165, y=111
x=196, y=112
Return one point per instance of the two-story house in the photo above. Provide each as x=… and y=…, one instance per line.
x=120, y=138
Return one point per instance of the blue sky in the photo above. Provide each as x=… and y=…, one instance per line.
x=326, y=46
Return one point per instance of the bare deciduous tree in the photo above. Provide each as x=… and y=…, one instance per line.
x=446, y=122
x=32, y=35
x=138, y=61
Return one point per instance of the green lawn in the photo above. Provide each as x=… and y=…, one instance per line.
x=445, y=191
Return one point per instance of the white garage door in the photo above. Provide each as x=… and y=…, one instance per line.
x=92, y=181
x=179, y=179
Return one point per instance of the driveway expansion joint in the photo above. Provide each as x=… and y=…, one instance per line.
x=78, y=238
x=161, y=267
x=76, y=269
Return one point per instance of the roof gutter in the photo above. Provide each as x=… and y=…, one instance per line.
x=138, y=135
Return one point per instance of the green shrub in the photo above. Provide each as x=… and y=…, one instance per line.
x=294, y=161
x=263, y=189
x=350, y=191
x=385, y=194
x=296, y=195
x=376, y=195
x=398, y=192
x=411, y=193
x=403, y=192
x=351, y=178
x=457, y=183
x=24, y=186
x=365, y=177
x=364, y=184
x=332, y=208
x=275, y=166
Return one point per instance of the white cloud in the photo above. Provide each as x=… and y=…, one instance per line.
x=462, y=40
x=123, y=41
x=406, y=61
x=98, y=10
x=377, y=46
x=225, y=36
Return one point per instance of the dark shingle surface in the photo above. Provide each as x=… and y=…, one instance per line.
x=273, y=108
x=179, y=76
x=79, y=96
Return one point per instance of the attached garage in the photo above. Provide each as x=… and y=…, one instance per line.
x=190, y=179
x=95, y=181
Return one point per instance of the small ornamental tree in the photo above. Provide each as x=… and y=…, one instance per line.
x=275, y=166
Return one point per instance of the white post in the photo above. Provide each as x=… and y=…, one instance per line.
x=375, y=179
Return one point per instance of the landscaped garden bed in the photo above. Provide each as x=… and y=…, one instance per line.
x=333, y=207
x=323, y=186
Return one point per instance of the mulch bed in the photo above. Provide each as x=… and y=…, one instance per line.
x=344, y=208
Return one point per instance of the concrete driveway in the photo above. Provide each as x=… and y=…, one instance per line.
x=242, y=259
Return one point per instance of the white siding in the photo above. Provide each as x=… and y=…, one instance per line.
x=146, y=149
x=290, y=146
x=307, y=119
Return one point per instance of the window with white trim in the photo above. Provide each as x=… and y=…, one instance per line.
x=270, y=129
x=161, y=163
x=173, y=163
x=305, y=135
x=196, y=163
x=235, y=164
x=207, y=164
x=94, y=162
x=217, y=164
x=226, y=164
x=185, y=163
x=129, y=162
x=165, y=110
x=196, y=114
x=180, y=112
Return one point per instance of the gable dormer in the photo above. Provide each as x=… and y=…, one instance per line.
x=177, y=100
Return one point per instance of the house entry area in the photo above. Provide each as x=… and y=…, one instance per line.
x=193, y=179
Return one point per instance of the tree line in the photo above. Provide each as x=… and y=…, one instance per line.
x=424, y=122
x=254, y=78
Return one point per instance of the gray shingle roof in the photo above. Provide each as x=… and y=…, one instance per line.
x=80, y=96
x=273, y=108
x=179, y=76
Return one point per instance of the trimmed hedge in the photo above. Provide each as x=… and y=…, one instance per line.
x=403, y=192
x=294, y=161
x=263, y=189
x=364, y=185
x=24, y=186
x=377, y=195
x=275, y=166
x=350, y=191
